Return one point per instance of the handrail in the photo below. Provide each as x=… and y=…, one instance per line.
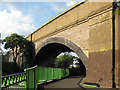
x=31, y=68
x=13, y=79
x=34, y=75
x=39, y=74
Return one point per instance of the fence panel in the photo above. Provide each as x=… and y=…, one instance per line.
x=13, y=79
x=34, y=75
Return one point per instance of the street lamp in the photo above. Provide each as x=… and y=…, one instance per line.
x=0, y=60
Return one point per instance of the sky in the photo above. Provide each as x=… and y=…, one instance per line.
x=24, y=17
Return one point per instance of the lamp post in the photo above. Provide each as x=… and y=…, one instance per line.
x=0, y=44
x=0, y=51
x=0, y=61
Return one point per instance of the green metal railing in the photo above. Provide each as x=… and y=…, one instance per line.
x=38, y=74
x=33, y=76
x=13, y=79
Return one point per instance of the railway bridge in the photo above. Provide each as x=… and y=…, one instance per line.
x=92, y=31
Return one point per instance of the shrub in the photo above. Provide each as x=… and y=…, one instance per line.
x=10, y=68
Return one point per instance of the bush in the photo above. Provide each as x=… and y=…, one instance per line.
x=10, y=68
x=81, y=71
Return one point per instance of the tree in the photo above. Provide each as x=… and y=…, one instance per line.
x=18, y=45
x=65, y=60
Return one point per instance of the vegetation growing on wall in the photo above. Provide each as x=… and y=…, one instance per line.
x=117, y=8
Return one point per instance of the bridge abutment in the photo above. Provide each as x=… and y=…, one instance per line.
x=104, y=53
x=117, y=48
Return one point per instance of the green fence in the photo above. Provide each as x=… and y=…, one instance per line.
x=13, y=79
x=38, y=74
x=33, y=76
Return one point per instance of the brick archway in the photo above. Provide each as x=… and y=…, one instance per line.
x=61, y=44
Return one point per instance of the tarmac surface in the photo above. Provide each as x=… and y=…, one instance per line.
x=71, y=82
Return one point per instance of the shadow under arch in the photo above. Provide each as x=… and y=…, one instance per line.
x=50, y=48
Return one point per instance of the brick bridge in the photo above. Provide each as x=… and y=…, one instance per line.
x=91, y=30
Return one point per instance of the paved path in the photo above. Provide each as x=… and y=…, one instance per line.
x=71, y=82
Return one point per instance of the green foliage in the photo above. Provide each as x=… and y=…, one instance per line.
x=29, y=52
x=100, y=79
x=117, y=8
x=19, y=44
x=10, y=68
x=81, y=70
x=13, y=41
x=117, y=11
x=65, y=60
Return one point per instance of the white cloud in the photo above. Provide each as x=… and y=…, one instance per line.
x=58, y=6
x=34, y=0
x=45, y=0
x=71, y=3
x=15, y=22
x=62, y=6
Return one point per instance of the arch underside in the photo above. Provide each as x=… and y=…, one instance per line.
x=52, y=47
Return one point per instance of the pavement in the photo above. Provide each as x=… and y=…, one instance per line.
x=71, y=82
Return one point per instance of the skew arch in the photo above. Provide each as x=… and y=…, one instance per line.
x=50, y=48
